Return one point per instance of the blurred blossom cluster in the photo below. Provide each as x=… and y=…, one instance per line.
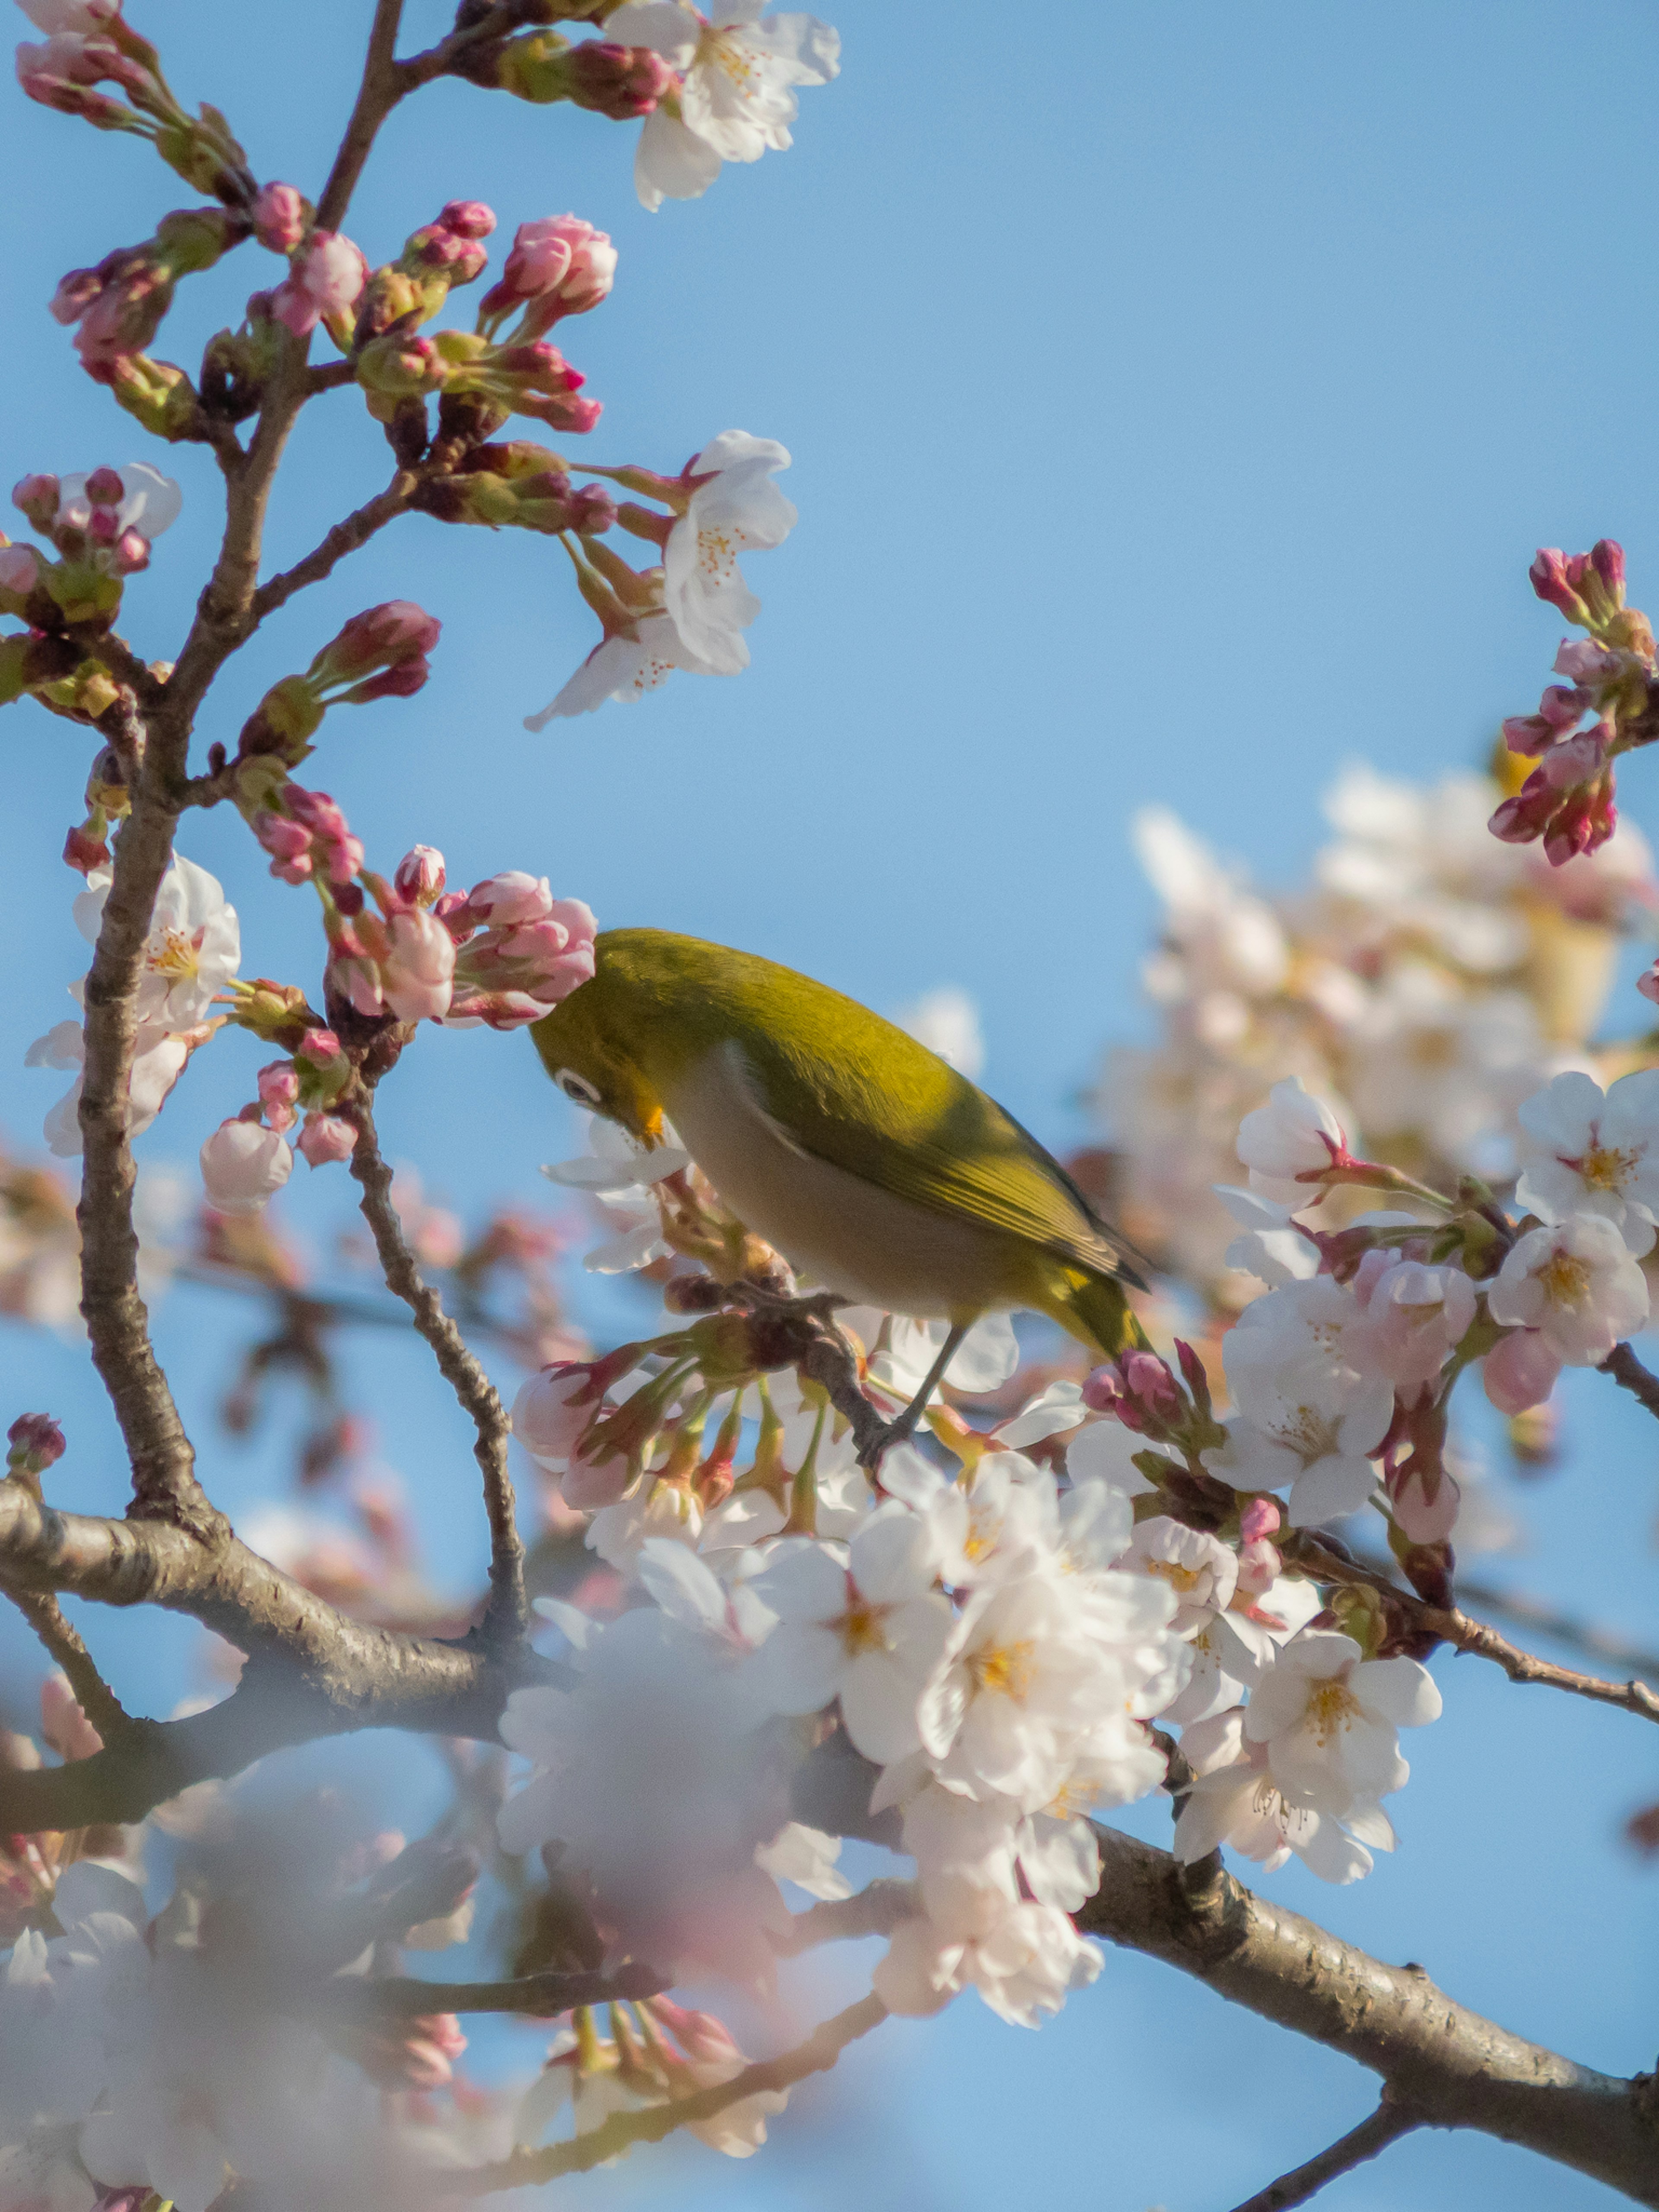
x=1426, y=983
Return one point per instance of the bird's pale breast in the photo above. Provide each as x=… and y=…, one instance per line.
x=850, y=1236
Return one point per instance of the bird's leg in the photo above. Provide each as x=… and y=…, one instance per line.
x=899, y=1430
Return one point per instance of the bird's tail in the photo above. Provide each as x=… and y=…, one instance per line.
x=1094, y=1307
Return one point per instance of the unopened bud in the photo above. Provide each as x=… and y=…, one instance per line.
x=280, y=215
x=420, y=875
x=36, y=1441
x=37, y=497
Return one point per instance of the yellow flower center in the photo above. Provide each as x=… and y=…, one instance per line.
x=718, y=548
x=983, y=1528
x=1603, y=1168
x=1330, y=1707
x=177, y=958
x=863, y=1627
x=1009, y=1669
x=1565, y=1280
x=724, y=54
x=1179, y=1578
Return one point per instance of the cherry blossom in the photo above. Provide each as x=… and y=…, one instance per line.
x=1587, y=1151
x=158, y=1061
x=1235, y=1801
x=193, y=949
x=1024, y=1959
x=1521, y=1371
x=1418, y=1314
x=1289, y=1141
x=627, y=665
x=869, y=1629
x=1328, y=1718
x=1576, y=1284
x=737, y=98
x=1199, y=1570
x=244, y=1166
x=735, y=507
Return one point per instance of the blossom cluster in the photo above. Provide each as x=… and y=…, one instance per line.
x=1426, y=982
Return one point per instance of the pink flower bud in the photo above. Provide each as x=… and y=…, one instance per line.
x=244, y=1166
x=279, y=217
x=1607, y=558
x=325, y=1137
x=585, y=1486
x=560, y=260
x=1520, y=1372
x=380, y=637
x=624, y=83
x=37, y=497
x=37, y=1443
x=417, y=966
x=19, y=569
x=104, y=488
x=288, y=844
x=1148, y=1379
x=469, y=218
x=75, y=294
x=279, y=1090
x=1423, y=1518
x=1104, y=1393
x=315, y=810
x=502, y=901
x=1260, y=1565
x=554, y=1411
x=1550, y=576
x=420, y=877
x=130, y=553
x=1260, y=1518
x=327, y=277
x=321, y=1048
x=84, y=851
x=1647, y=983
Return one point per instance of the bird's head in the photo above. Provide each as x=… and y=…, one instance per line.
x=585, y=1046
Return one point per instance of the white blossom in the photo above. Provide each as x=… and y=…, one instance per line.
x=625, y=666
x=866, y=1626
x=1576, y=1284
x=1585, y=1151
x=1024, y=1959
x=1235, y=1801
x=1329, y=1717
x=193, y=949
x=1293, y=1136
x=735, y=508
x=158, y=1061
x=737, y=97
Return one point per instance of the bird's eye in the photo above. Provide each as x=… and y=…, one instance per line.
x=577, y=1087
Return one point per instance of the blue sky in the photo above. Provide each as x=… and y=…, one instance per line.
x=1177, y=397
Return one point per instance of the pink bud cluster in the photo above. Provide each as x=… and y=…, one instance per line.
x=118, y=306
x=379, y=654
x=1567, y=802
x=520, y=949
x=559, y=265
x=107, y=519
x=248, y=1158
x=454, y=243
x=310, y=839
x=533, y=379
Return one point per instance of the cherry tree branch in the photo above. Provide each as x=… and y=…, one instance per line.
x=1447, y=2066
x=64, y=1644
x=506, y=1611
x=1628, y=1372
x=525, y=2168
x=312, y=1671
x=382, y=86
x=1374, y=2133
x=346, y=536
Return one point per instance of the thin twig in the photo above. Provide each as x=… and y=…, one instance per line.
x=355, y=529
x=1466, y=1635
x=876, y=1910
x=506, y=1612
x=1628, y=1372
x=64, y=1644
x=1448, y=1624
x=538, y=1996
x=1374, y=2133
x=506, y=17
x=525, y=2168
x=383, y=86
x=1545, y=1619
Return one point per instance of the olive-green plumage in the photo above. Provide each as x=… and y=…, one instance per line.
x=871, y=1165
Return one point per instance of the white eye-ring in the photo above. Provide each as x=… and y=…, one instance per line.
x=577, y=1087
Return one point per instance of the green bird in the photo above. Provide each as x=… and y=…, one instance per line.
x=875, y=1169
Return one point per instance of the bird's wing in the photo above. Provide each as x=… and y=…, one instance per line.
x=932, y=1137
